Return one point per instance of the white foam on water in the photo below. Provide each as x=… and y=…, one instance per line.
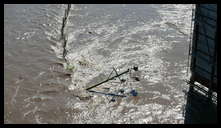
x=26, y=35
x=98, y=109
x=178, y=14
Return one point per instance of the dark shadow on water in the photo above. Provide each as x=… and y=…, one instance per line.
x=199, y=110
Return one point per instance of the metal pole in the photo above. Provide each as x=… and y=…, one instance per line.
x=213, y=69
x=116, y=73
x=107, y=80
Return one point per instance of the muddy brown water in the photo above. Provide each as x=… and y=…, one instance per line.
x=37, y=88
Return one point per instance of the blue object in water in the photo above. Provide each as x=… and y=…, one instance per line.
x=133, y=92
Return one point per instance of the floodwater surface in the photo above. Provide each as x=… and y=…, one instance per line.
x=40, y=87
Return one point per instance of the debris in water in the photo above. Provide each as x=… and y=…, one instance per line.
x=135, y=68
x=133, y=92
x=121, y=90
x=107, y=80
x=106, y=88
x=136, y=78
x=112, y=100
x=122, y=80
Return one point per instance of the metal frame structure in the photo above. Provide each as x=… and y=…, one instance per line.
x=204, y=48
